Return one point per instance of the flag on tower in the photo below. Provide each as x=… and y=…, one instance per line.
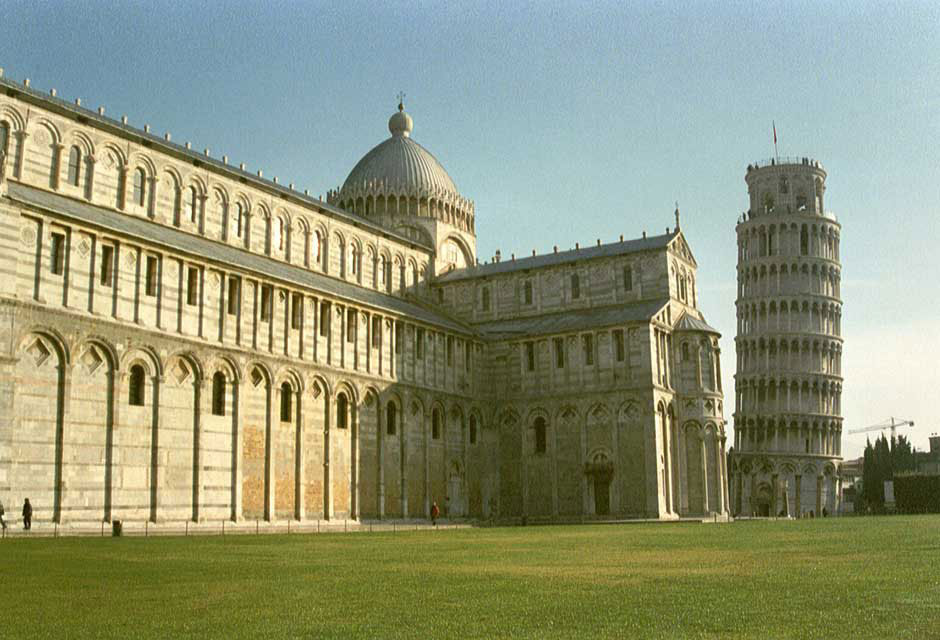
x=776, y=155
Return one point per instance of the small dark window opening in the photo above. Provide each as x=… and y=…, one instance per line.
x=193, y=204
x=467, y=348
x=139, y=188
x=804, y=241
x=136, y=385
x=450, y=351
x=540, y=435
x=618, y=344
x=530, y=356
x=342, y=411
x=473, y=429
x=399, y=336
x=218, y=394
x=575, y=287
x=559, y=352
x=286, y=393
x=486, y=299
x=266, y=302
x=419, y=343
x=351, y=325
x=324, y=319
x=57, y=257
x=685, y=351
x=391, y=418
x=234, y=295
x=628, y=278
x=376, y=332
x=150, y=285
x=440, y=296
x=192, y=286
x=107, y=265
x=436, y=424
x=296, y=310
x=588, y=342
x=527, y=288
x=75, y=166
x=4, y=136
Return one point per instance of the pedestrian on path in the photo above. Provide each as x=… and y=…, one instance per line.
x=435, y=514
x=27, y=515
x=2, y=511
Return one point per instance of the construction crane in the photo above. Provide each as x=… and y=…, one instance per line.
x=891, y=423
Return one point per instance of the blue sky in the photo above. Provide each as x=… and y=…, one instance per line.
x=566, y=123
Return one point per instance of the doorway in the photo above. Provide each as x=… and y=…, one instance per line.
x=601, y=495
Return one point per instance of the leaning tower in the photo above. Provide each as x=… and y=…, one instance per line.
x=788, y=384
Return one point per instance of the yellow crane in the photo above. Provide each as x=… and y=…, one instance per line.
x=890, y=423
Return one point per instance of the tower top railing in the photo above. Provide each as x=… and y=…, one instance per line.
x=785, y=160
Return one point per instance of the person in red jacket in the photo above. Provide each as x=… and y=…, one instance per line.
x=435, y=513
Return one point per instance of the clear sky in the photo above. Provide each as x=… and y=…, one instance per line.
x=568, y=122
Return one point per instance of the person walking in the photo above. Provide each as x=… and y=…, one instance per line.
x=27, y=515
x=435, y=514
x=2, y=511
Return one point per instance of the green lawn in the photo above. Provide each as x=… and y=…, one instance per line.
x=844, y=578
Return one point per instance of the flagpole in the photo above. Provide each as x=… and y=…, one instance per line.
x=776, y=155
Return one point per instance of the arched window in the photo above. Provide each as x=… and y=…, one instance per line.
x=436, y=424
x=4, y=136
x=238, y=219
x=136, y=385
x=140, y=188
x=539, y=435
x=177, y=203
x=473, y=429
x=218, y=394
x=685, y=351
x=804, y=241
x=353, y=258
x=342, y=411
x=75, y=166
x=414, y=275
x=575, y=286
x=286, y=393
x=383, y=271
x=391, y=418
x=279, y=234
x=193, y=205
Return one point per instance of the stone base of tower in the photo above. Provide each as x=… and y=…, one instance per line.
x=765, y=485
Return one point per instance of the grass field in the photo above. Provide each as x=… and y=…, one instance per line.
x=843, y=578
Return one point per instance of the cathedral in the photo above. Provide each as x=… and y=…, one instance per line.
x=182, y=340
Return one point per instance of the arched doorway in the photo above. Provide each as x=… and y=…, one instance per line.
x=763, y=500
x=600, y=470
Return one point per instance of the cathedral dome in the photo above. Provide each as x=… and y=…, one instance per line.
x=399, y=177
x=399, y=165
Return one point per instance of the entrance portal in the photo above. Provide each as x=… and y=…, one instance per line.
x=763, y=501
x=600, y=470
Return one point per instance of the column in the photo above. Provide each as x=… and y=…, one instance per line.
x=300, y=460
x=774, y=490
x=403, y=444
x=201, y=401
x=719, y=476
x=798, y=509
x=354, y=479
x=56, y=168
x=274, y=403
x=819, y=488
x=705, y=505
x=238, y=454
x=380, y=446
x=327, y=471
